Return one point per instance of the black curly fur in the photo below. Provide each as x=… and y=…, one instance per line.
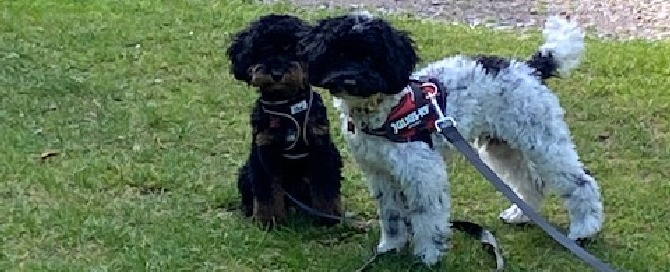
x=359, y=55
x=545, y=66
x=266, y=54
x=492, y=64
x=272, y=37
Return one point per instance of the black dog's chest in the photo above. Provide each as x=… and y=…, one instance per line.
x=288, y=129
x=289, y=124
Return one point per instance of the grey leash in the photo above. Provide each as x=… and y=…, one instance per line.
x=486, y=237
x=446, y=126
x=313, y=211
x=489, y=241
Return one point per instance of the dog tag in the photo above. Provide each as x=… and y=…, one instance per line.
x=299, y=107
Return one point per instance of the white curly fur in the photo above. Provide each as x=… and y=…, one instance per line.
x=410, y=180
x=565, y=40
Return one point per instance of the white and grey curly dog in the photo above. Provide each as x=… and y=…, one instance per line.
x=501, y=105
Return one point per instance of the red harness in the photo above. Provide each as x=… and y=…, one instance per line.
x=413, y=119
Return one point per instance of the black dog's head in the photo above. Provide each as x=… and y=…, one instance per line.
x=266, y=55
x=358, y=55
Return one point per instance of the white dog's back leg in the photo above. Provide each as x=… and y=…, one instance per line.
x=515, y=171
x=559, y=167
x=392, y=214
x=529, y=118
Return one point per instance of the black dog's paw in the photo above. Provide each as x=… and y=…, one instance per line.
x=247, y=211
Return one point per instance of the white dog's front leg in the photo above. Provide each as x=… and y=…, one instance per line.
x=430, y=223
x=392, y=217
x=423, y=176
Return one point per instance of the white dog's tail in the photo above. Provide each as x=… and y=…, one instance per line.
x=361, y=14
x=562, y=50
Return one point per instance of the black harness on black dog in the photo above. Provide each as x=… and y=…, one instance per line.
x=413, y=119
x=292, y=116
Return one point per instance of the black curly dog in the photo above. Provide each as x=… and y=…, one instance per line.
x=291, y=150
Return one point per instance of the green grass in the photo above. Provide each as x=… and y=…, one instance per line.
x=136, y=95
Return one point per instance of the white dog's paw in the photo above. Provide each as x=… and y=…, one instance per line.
x=387, y=245
x=429, y=256
x=585, y=228
x=514, y=215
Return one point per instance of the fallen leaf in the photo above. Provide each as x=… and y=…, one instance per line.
x=48, y=154
x=153, y=190
x=603, y=136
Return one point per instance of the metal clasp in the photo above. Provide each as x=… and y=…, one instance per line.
x=430, y=90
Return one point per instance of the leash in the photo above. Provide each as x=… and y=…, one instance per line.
x=486, y=237
x=315, y=212
x=446, y=126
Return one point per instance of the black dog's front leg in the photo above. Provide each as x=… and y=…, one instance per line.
x=325, y=169
x=268, y=202
x=265, y=168
x=245, y=188
x=325, y=179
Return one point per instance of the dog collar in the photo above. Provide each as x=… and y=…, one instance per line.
x=296, y=113
x=413, y=118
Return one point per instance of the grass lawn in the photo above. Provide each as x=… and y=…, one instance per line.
x=121, y=132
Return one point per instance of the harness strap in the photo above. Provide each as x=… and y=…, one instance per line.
x=301, y=129
x=412, y=119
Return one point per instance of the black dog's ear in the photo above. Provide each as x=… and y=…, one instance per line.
x=272, y=35
x=359, y=38
x=401, y=51
x=394, y=52
x=239, y=55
